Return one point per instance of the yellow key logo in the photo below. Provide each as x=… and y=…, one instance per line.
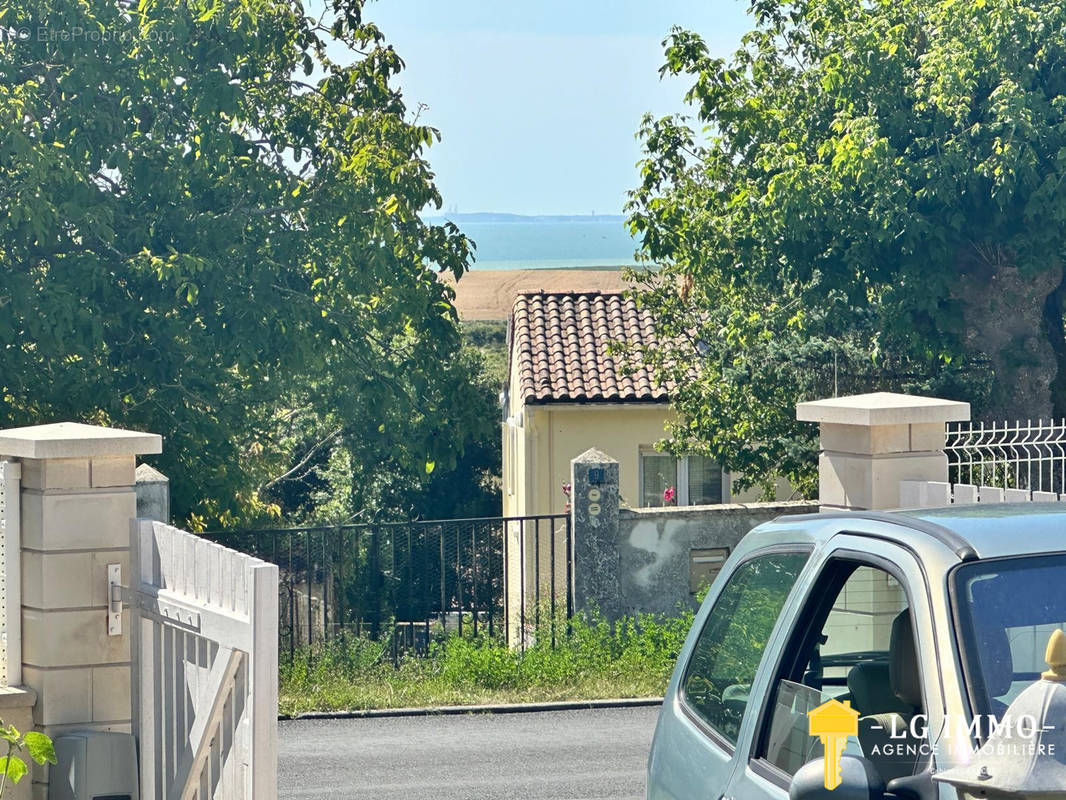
x=833, y=722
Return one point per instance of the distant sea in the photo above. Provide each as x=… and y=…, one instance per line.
x=511, y=241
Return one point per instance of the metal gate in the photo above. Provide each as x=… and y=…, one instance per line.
x=506, y=577
x=204, y=648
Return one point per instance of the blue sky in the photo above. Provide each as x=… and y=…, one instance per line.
x=538, y=102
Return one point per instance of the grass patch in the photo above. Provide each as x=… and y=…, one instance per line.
x=632, y=658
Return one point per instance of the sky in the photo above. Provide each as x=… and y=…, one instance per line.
x=538, y=102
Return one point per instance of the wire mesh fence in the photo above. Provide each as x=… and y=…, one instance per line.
x=408, y=582
x=1021, y=455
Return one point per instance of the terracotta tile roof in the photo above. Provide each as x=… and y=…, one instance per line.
x=559, y=343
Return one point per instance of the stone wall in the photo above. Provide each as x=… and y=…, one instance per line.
x=650, y=569
x=629, y=561
x=656, y=548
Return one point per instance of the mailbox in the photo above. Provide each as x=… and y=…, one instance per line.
x=94, y=765
x=704, y=566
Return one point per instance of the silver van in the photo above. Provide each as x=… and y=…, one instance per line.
x=923, y=625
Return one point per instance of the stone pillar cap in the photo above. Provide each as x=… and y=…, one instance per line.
x=76, y=440
x=594, y=456
x=149, y=474
x=882, y=408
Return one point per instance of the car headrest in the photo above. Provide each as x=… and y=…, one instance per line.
x=997, y=663
x=903, y=661
x=871, y=689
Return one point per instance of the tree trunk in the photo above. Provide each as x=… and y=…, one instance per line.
x=1055, y=326
x=1016, y=321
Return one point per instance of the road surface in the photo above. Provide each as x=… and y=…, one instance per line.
x=555, y=755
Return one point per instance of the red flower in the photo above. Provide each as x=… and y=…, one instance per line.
x=566, y=489
x=669, y=494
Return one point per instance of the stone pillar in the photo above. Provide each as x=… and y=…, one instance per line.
x=153, y=494
x=594, y=517
x=871, y=442
x=77, y=501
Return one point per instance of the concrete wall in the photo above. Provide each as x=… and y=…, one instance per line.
x=629, y=561
x=655, y=548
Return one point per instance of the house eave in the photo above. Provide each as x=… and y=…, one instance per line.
x=634, y=403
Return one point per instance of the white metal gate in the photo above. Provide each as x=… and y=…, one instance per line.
x=205, y=667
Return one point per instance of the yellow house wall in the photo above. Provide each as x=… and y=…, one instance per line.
x=515, y=454
x=561, y=433
x=552, y=435
x=540, y=440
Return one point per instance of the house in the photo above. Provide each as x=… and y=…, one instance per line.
x=566, y=393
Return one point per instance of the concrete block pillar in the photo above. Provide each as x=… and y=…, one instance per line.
x=871, y=442
x=594, y=519
x=77, y=500
x=153, y=494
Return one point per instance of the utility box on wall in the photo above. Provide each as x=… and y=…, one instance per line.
x=94, y=765
x=704, y=565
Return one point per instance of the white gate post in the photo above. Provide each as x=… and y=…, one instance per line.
x=264, y=676
x=77, y=500
x=11, y=565
x=871, y=442
x=16, y=701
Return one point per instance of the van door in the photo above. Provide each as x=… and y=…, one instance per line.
x=701, y=723
x=865, y=614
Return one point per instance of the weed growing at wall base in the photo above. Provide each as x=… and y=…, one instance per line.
x=631, y=658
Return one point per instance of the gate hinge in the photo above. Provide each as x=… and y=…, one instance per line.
x=116, y=593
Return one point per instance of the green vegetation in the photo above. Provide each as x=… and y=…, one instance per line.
x=630, y=659
x=209, y=229
x=490, y=339
x=870, y=198
x=36, y=745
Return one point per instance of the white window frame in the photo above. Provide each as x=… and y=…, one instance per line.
x=682, y=477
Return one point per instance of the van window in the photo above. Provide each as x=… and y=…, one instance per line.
x=863, y=655
x=719, y=674
x=1007, y=610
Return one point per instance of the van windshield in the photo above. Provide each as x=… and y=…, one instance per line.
x=1006, y=611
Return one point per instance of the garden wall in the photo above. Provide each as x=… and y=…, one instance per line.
x=665, y=555
x=653, y=560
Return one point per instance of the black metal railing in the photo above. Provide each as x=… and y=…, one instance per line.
x=411, y=581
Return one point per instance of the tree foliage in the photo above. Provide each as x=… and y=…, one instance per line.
x=357, y=479
x=209, y=229
x=876, y=201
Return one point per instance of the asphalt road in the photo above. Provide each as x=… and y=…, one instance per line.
x=554, y=755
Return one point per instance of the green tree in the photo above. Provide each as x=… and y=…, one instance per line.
x=876, y=201
x=343, y=478
x=209, y=229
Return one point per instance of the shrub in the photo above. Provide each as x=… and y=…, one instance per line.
x=591, y=657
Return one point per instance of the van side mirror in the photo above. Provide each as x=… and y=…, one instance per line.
x=859, y=780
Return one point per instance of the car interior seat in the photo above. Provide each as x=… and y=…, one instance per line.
x=870, y=690
x=886, y=737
